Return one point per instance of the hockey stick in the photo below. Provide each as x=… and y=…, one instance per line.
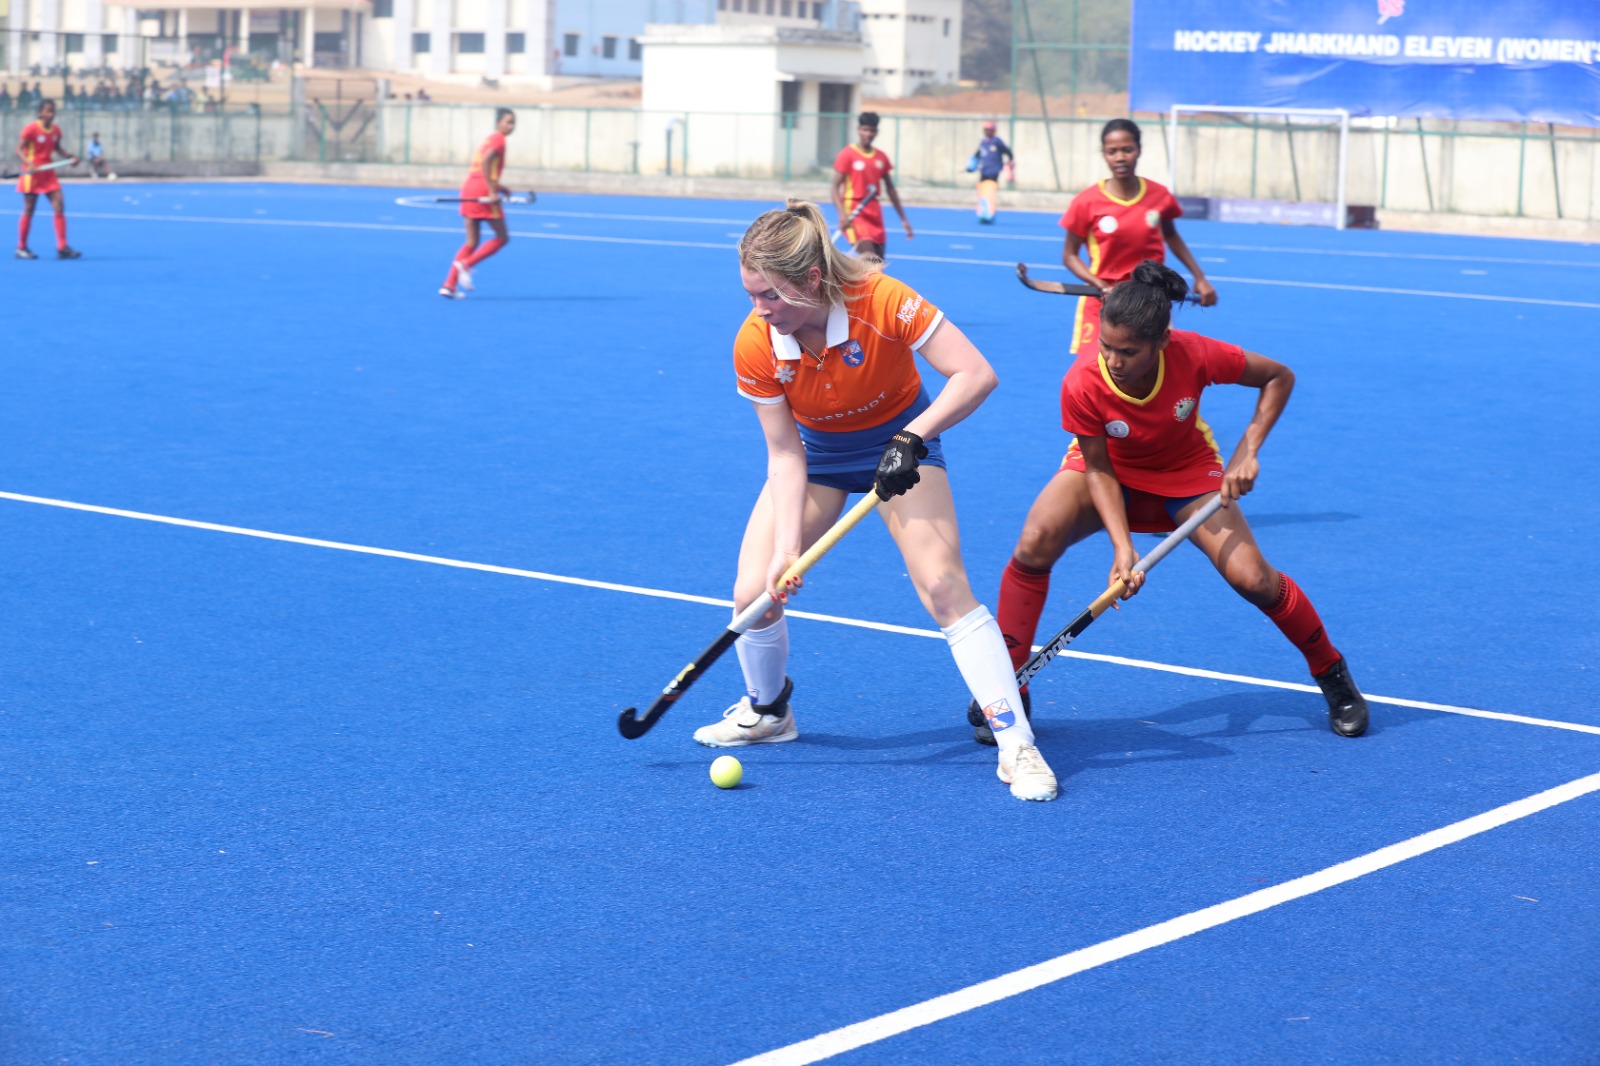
x=872, y=192
x=513, y=198
x=632, y=726
x=1109, y=596
x=1063, y=289
x=57, y=165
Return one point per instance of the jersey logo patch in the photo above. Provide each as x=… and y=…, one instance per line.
x=1108, y=224
x=784, y=374
x=853, y=355
x=1152, y=218
x=858, y=165
x=1183, y=408
x=908, y=310
x=1117, y=428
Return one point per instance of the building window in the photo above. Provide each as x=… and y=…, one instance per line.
x=635, y=49
x=786, y=8
x=383, y=9
x=608, y=47
x=947, y=27
x=802, y=9
x=421, y=44
x=74, y=43
x=469, y=44
x=108, y=43
x=738, y=5
x=722, y=5
x=516, y=43
x=569, y=44
x=770, y=5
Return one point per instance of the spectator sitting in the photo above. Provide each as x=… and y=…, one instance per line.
x=95, y=154
x=422, y=94
x=5, y=97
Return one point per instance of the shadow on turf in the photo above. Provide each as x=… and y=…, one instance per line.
x=1261, y=521
x=1074, y=744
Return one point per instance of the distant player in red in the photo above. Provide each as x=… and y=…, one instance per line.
x=1142, y=460
x=1124, y=220
x=480, y=202
x=38, y=146
x=859, y=171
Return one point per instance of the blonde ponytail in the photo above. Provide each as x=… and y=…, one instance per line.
x=785, y=245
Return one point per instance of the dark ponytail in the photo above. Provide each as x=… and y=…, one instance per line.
x=1121, y=125
x=1144, y=302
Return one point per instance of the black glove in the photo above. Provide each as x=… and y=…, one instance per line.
x=897, y=469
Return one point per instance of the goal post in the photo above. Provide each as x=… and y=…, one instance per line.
x=1330, y=117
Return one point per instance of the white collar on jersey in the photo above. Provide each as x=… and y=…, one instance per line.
x=837, y=332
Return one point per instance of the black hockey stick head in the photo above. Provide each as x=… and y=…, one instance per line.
x=632, y=727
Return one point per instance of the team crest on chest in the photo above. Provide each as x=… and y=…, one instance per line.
x=1152, y=218
x=1183, y=408
x=852, y=353
x=784, y=374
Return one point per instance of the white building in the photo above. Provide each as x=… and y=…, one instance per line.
x=911, y=43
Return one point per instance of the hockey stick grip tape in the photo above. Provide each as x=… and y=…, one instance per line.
x=762, y=604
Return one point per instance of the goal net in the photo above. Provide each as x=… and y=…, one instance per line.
x=1283, y=164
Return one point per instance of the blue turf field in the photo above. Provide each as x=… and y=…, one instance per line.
x=274, y=802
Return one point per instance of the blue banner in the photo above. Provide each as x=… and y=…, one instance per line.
x=1512, y=60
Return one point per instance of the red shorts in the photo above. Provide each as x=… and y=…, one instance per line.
x=474, y=189
x=42, y=184
x=1086, y=326
x=868, y=226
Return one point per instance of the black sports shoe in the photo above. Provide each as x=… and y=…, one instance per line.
x=980, y=725
x=68, y=253
x=24, y=253
x=1347, y=708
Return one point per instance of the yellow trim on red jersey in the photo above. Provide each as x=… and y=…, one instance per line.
x=1161, y=376
x=1143, y=188
x=1205, y=431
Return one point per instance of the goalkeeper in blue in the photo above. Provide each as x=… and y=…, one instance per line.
x=992, y=157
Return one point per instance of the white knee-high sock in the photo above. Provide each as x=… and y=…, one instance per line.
x=980, y=654
x=764, y=657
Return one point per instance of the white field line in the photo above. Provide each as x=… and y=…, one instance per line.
x=1017, y=982
x=991, y=235
x=380, y=226
x=711, y=601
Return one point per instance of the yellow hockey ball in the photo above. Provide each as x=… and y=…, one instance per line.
x=726, y=771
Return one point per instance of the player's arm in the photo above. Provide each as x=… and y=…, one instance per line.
x=786, y=485
x=493, y=163
x=1074, y=262
x=839, y=178
x=1106, y=492
x=1276, y=382
x=1202, y=287
x=22, y=151
x=969, y=379
x=894, y=198
x=60, y=151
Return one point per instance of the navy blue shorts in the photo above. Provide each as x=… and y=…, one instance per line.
x=849, y=461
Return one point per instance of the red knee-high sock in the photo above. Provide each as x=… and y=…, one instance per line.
x=1023, y=590
x=61, y=230
x=24, y=224
x=1294, y=615
x=460, y=257
x=485, y=250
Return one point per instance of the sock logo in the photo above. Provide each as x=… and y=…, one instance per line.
x=1000, y=715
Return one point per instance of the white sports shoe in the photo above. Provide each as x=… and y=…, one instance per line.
x=742, y=724
x=450, y=294
x=1029, y=776
x=463, y=276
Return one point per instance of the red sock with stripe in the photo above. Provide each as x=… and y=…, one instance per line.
x=485, y=250
x=1023, y=590
x=460, y=257
x=1298, y=619
x=61, y=231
